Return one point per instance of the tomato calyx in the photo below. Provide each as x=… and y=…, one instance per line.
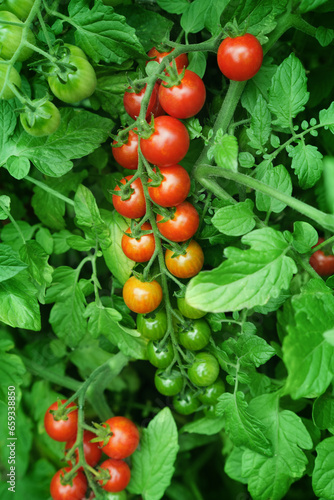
x=125, y=190
x=166, y=213
x=174, y=76
x=35, y=109
x=156, y=177
x=103, y=434
x=136, y=230
x=63, y=410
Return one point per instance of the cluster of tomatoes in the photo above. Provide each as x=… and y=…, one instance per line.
x=118, y=438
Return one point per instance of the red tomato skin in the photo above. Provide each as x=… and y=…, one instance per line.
x=132, y=102
x=124, y=439
x=173, y=189
x=92, y=451
x=127, y=155
x=184, y=224
x=142, y=297
x=168, y=144
x=186, y=99
x=181, y=60
x=188, y=265
x=135, y=206
x=139, y=250
x=76, y=491
x=61, y=430
x=120, y=475
x=323, y=264
x=240, y=58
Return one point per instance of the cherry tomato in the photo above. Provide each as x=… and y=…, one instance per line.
x=132, y=102
x=75, y=51
x=187, y=265
x=212, y=392
x=21, y=8
x=10, y=37
x=135, y=206
x=120, y=475
x=61, y=430
x=204, y=370
x=181, y=60
x=240, y=58
x=14, y=78
x=186, y=403
x=154, y=326
x=74, y=491
x=186, y=99
x=195, y=336
x=183, y=225
x=174, y=187
x=124, y=439
x=92, y=451
x=139, y=250
x=323, y=264
x=160, y=356
x=168, y=384
x=187, y=310
x=39, y=125
x=80, y=83
x=127, y=155
x=168, y=144
x=142, y=297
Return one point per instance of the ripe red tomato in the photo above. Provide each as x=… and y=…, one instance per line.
x=132, y=102
x=75, y=491
x=61, y=430
x=240, y=58
x=127, y=155
x=188, y=265
x=142, y=297
x=186, y=99
x=139, y=250
x=181, y=60
x=92, y=451
x=323, y=264
x=168, y=144
x=124, y=439
x=120, y=475
x=183, y=225
x=135, y=206
x=174, y=187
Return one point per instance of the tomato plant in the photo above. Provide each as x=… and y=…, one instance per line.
x=323, y=264
x=187, y=265
x=240, y=58
x=142, y=296
x=61, y=427
x=124, y=438
x=13, y=77
x=154, y=326
x=186, y=403
x=183, y=225
x=187, y=310
x=211, y=393
x=75, y=490
x=139, y=250
x=160, y=356
x=10, y=37
x=168, y=383
x=92, y=451
x=45, y=120
x=174, y=187
x=196, y=335
x=134, y=206
x=21, y=8
x=120, y=475
x=132, y=101
x=127, y=154
x=204, y=370
x=181, y=61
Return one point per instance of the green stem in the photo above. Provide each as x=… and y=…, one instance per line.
x=323, y=244
x=13, y=221
x=49, y=190
x=54, y=377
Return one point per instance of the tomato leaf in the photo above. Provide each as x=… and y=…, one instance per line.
x=206, y=425
x=304, y=236
x=323, y=474
x=260, y=127
x=10, y=264
x=173, y=6
x=307, y=163
x=235, y=220
x=323, y=412
x=38, y=267
x=12, y=370
x=276, y=177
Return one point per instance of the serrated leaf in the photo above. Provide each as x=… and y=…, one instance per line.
x=192, y=20
x=307, y=164
x=275, y=177
x=328, y=165
x=4, y=206
x=173, y=6
x=226, y=152
x=206, y=425
x=307, y=5
x=323, y=474
x=323, y=412
x=12, y=370
x=260, y=127
x=326, y=117
x=324, y=35
x=10, y=264
x=235, y=220
x=305, y=236
x=38, y=267
x=252, y=350
x=18, y=167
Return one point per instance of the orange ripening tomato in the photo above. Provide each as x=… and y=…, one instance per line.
x=142, y=296
x=188, y=265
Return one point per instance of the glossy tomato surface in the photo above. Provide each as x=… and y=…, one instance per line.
x=160, y=356
x=211, y=393
x=196, y=335
x=21, y=8
x=132, y=101
x=183, y=100
x=187, y=265
x=74, y=491
x=168, y=384
x=127, y=154
x=323, y=264
x=186, y=403
x=124, y=439
x=204, y=370
x=139, y=250
x=92, y=451
x=168, y=144
x=181, y=60
x=80, y=83
x=41, y=125
x=120, y=475
x=187, y=310
x=154, y=326
x=142, y=297
x=240, y=58
x=174, y=187
x=10, y=37
x=64, y=429
x=135, y=205
x=183, y=225
x=14, y=78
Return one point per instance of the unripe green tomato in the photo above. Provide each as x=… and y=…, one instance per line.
x=161, y=357
x=42, y=126
x=204, y=370
x=211, y=393
x=152, y=327
x=196, y=336
x=10, y=37
x=189, y=311
x=210, y=411
x=185, y=404
x=75, y=51
x=14, y=78
x=168, y=384
x=21, y=8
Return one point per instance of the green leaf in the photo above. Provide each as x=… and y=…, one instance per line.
x=307, y=5
x=81, y=244
x=192, y=20
x=307, y=163
x=226, y=152
x=247, y=278
x=18, y=304
x=44, y=238
x=323, y=474
x=260, y=127
x=328, y=164
x=12, y=370
x=243, y=428
x=323, y=412
x=4, y=204
x=206, y=425
x=18, y=167
x=153, y=463
x=325, y=36
x=37, y=261
x=102, y=33
x=275, y=177
x=63, y=284
x=271, y=477
x=246, y=160
x=197, y=63
x=173, y=6
x=235, y=220
x=10, y=265
x=288, y=92
x=250, y=349
x=233, y=465
x=60, y=242
x=258, y=85
x=8, y=124
x=118, y=263
x=11, y=236
x=326, y=118
x=304, y=235
x=110, y=90
x=215, y=9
